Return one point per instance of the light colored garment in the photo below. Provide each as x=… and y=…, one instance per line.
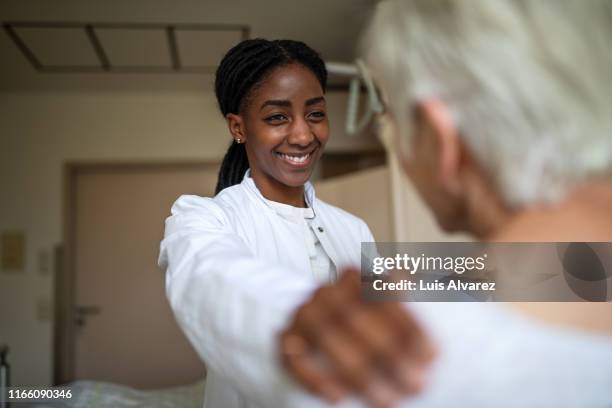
x=236, y=271
x=491, y=356
x=323, y=269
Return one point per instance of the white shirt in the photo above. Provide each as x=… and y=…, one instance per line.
x=323, y=269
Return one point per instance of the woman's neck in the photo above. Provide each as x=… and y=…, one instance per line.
x=273, y=190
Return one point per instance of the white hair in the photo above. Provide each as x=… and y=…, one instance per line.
x=528, y=83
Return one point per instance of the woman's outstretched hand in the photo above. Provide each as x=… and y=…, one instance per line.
x=338, y=344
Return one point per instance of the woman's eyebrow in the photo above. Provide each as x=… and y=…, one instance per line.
x=316, y=100
x=276, y=102
x=287, y=103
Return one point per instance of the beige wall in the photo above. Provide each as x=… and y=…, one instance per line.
x=367, y=195
x=39, y=133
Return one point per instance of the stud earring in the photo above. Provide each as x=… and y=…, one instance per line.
x=238, y=140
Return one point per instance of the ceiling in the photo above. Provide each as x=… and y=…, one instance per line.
x=134, y=37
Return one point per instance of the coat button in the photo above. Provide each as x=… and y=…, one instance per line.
x=320, y=229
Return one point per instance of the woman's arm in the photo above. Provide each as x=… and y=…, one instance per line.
x=231, y=305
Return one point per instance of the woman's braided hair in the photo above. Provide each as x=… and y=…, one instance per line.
x=241, y=71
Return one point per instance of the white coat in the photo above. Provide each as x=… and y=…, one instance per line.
x=235, y=273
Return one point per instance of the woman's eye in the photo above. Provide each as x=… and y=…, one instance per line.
x=276, y=118
x=318, y=115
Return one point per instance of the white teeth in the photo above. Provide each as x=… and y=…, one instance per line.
x=294, y=159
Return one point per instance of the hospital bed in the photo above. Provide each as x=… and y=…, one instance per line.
x=96, y=394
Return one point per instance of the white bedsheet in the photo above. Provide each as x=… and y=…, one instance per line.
x=88, y=394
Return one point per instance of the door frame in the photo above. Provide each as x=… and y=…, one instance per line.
x=64, y=328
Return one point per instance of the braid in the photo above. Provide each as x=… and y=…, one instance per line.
x=233, y=167
x=241, y=71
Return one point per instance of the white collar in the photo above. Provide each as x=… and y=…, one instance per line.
x=285, y=210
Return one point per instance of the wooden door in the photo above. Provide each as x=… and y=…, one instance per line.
x=125, y=331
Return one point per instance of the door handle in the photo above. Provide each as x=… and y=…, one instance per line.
x=82, y=311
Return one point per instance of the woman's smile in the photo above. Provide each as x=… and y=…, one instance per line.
x=297, y=160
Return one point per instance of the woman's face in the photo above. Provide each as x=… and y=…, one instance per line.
x=285, y=126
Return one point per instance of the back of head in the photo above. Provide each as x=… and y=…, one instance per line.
x=241, y=70
x=527, y=83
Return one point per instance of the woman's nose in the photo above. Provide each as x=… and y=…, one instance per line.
x=301, y=134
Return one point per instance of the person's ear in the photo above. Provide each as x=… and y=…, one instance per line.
x=437, y=125
x=235, y=125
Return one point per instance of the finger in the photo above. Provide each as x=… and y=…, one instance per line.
x=412, y=335
x=292, y=344
x=382, y=338
x=385, y=328
x=314, y=376
x=381, y=394
x=413, y=352
x=385, y=347
x=407, y=375
x=313, y=323
x=350, y=280
x=347, y=356
x=324, y=311
x=361, y=346
x=314, y=313
x=380, y=341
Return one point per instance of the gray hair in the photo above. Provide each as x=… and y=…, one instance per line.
x=528, y=83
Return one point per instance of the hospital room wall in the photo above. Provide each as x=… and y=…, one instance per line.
x=43, y=131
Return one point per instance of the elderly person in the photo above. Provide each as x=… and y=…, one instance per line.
x=501, y=116
x=504, y=119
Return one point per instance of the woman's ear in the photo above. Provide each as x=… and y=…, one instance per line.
x=435, y=122
x=235, y=125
